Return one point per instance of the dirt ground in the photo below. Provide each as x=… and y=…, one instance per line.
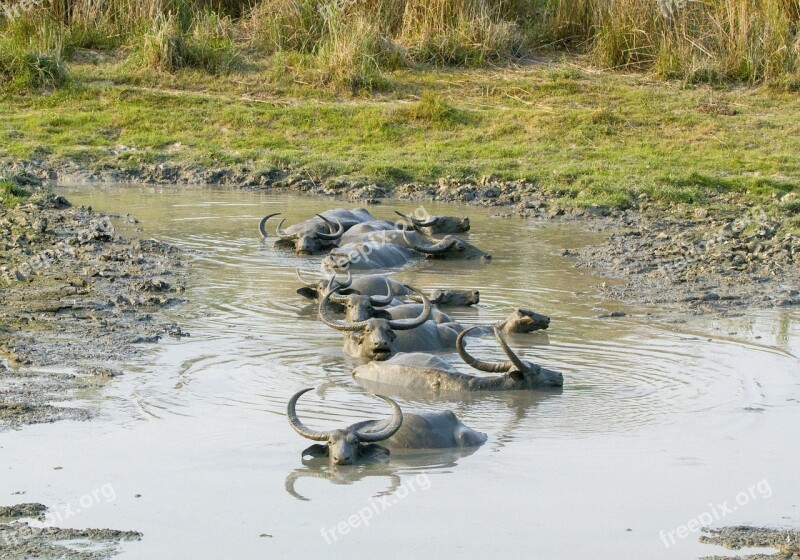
x=76, y=300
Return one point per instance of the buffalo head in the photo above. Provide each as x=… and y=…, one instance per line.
x=519, y=374
x=308, y=237
x=345, y=446
x=359, y=307
x=449, y=247
x=372, y=338
x=437, y=224
x=524, y=321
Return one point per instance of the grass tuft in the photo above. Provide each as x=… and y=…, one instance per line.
x=11, y=193
x=207, y=44
x=355, y=55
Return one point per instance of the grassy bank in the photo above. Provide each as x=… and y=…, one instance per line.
x=587, y=136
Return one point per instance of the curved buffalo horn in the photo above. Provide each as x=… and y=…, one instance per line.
x=408, y=324
x=346, y=283
x=474, y=362
x=305, y=282
x=297, y=424
x=262, y=225
x=429, y=223
x=331, y=274
x=510, y=353
x=336, y=323
x=439, y=247
x=282, y=234
x=389, y=429
x=337, y=298
x=416, y=222
x=383, y=301
x=408, y=221
x=332, y=235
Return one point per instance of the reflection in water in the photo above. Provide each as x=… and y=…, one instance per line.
x=392, y=468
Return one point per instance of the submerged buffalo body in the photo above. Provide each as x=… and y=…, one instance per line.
x=430, y=225
x=432, y=374
x=428, y=430
x=397, y=248
x=375, y=285
x=370, y=255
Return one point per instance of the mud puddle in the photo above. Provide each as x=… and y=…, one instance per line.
x=657, y=424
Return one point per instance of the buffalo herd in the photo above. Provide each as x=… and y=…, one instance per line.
x=400, y=332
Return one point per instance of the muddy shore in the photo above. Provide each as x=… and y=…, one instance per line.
x=786, y=542
x=77, y=300
x=21, y=538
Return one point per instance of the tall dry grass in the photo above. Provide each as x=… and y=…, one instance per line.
x=754, y=41
x=31, y=54
x=696, y=40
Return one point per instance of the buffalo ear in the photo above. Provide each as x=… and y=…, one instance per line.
x=315, y=451
x=516, y=375
x=308, y=293
x=374, y=451
x=382, y=314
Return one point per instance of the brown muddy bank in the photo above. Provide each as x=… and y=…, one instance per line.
x=76, y=300
x=785, y=541
x=19, y=538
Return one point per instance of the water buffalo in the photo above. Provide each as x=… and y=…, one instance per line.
x=425, y=372
x=427, y=430
x=357, y=441
x=320, y=233
x=377, y=339
x=452, y=298
x=375, y=285
x=357, y=307
x=433, y=225
x=371, y=285
x=523, y=321
x=449, y=247
x=397, y=248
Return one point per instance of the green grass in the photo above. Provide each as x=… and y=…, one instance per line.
x=11, y=194
x=584, y=136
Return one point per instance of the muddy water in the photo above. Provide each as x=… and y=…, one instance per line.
x=658, y=424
